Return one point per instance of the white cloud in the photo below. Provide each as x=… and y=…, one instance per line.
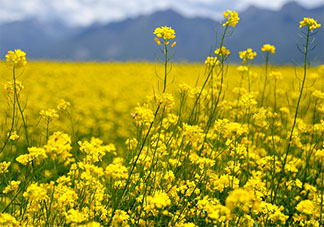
x=85, y=12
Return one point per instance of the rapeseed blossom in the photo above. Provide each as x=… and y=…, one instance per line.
x=310, y=23
x=223, y=52
x=204, y=154
x=246, y=55
x=16, y=58
x=231, y=18
x=166, y=33
x=268, y=48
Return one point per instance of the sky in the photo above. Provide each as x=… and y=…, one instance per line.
x=86, y=12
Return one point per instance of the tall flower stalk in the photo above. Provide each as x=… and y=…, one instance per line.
x=16, y=59
x=166, y=34
x=268, y=49
x=309, y=24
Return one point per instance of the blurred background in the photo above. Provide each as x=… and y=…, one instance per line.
x=114, y=30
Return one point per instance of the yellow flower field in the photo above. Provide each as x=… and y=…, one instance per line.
x=170, y=144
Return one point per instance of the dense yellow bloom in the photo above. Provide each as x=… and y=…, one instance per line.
x=59, y=146
x=4, y=167
x=143, y=116
x=242, y=68
x=275, y=75
x=159, y=200
x=241, y=199
x=10, y=87
x=63, y=105
x=74, y=216
x=223, y=52
x=95, y=150
x=211, y=61
x=310, y=23
x=306, y=206
x=35, y=154
x=268, y=48
x=166, y=33
x=49, y=114
x=247, y=55
x=13, y=186
x=16, y=58
x=231, y=18
x=120, y=219
x=8, y=220
x=13, y=136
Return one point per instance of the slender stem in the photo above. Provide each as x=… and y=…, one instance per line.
x=47, y=132
x=13, y=113
x=275, y=96
x=265, y=79
x=295, y=117
x=165, y=67
x=19, y=107
x=207, y=78
x=120, y=198
x=322, y=179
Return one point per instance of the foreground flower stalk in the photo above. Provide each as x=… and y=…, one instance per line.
x=310, y=24
x=167, y=34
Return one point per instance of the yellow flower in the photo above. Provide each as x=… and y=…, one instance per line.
x=275, y=75
x=63, y=105
x=211, y=61
x=310, y=23
x=242, y=68
x=16, y=58
x=164, y=32
x=173, y=44
x=157, y=41
x=35, y=153
x=247, y=54
x=4, y=167
x=13, y=186
x=13, y=136
x=8, y=220
x=158, y=201
x=306, y=207
x=223, y=52
x=231, y=18
x=241, y=199
x=49, y=114
x=74, y=216
x=268, y=48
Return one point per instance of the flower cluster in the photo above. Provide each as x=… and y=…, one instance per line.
x=268, y=48
x=310, y=23
x=166, y=33
x=223, y=52
x=231, y=18
x=247, y=55
x=16, y=58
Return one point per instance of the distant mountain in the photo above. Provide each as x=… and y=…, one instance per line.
x=33, y=36
x=132, y=39
x=280, y=28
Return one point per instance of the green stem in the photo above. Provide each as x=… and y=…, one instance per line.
x=295, y=117
x=207, y=78
x=165, y=67
x=20, y=109
x=119, y=199
x=13, y=113
x=265, y=79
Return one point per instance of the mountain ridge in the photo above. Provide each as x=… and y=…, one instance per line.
x=132, y=38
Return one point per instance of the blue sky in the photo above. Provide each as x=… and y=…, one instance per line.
x=85, y=12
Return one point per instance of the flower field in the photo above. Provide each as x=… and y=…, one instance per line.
x=164, y=144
